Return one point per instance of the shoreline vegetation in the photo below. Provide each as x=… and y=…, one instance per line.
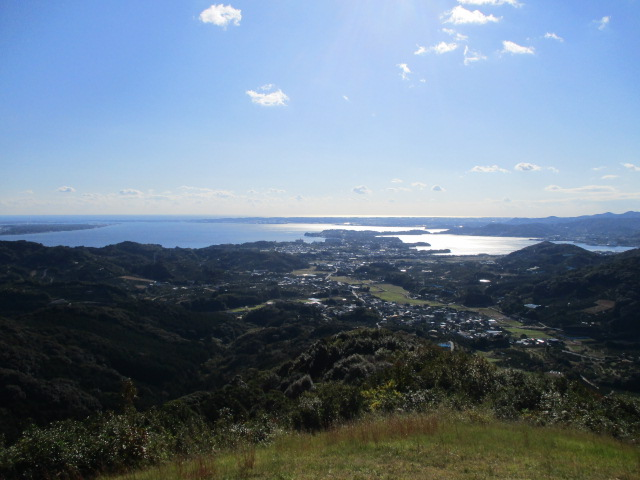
x=34, y=228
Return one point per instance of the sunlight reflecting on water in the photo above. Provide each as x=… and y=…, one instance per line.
x=470, y=244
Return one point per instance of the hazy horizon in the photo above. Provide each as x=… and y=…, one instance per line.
x=279, y=108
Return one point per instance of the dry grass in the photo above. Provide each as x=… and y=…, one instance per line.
x=448, y=446
x=601, y=306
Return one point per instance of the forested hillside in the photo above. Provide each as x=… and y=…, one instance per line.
x=138, y=353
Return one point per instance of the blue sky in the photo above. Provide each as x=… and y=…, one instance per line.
x=284, y=107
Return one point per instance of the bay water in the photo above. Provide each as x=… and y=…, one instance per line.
x=191, y=232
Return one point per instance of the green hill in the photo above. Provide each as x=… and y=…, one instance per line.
x=443, y=445
x=584, y=293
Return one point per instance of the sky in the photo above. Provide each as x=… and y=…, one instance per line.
x=300, y=108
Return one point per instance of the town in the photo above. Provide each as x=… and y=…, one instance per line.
x=455, y=301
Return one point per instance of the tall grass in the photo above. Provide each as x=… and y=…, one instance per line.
x=443, y=445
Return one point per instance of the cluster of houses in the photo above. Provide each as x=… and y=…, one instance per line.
x=323, y=288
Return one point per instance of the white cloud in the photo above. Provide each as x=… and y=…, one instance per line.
x=197, y=192
x=396, y=180
x=419, y=185
x=221, y=194
x=515, y=49
x=361, y=190
x=527, y=167
x=439, y=49
x=66, y=189
x=131, y=192
x=471, y=56
x=275, y=191
x=553, y=36
x=221, y=15
x=437, y=188
x=94, y=196
x=585, y=189
x=459, y=16
x=458, y=37
x=609, y=177
x=632, y=167
x=553, y=169
x=398, y=189
x=603, y=22
x=421, y=50
x=404, y=70
x=276, y=98
x=513, y=3
x=488, y=169
x=346, y=98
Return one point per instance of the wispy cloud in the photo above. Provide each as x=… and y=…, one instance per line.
x=361, y=190
x=631, y=166
x=458, y=37
x=472, y=56
x=396, y=180
x=603, y=23
x=419, y=185
x=460, y=16
x=553, y=36
x=66, y=189
x=488, y=169
x=513, y=3
x=131, y=192
x=584, y=189
x=439, y=49
x=268, y=96
x=515, y=49
x=609, y=177
x=590, y=193
x=404, y=70
x=527, y=167
x=197, y=192
x=221, y=15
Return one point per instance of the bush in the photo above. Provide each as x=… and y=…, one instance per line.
x=107, y=443
x=329, y=404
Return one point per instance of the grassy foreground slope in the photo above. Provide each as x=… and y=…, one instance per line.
x=442, y=445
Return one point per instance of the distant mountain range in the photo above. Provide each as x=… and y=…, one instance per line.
x=601, y=229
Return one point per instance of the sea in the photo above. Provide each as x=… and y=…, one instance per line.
x=193, y=232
